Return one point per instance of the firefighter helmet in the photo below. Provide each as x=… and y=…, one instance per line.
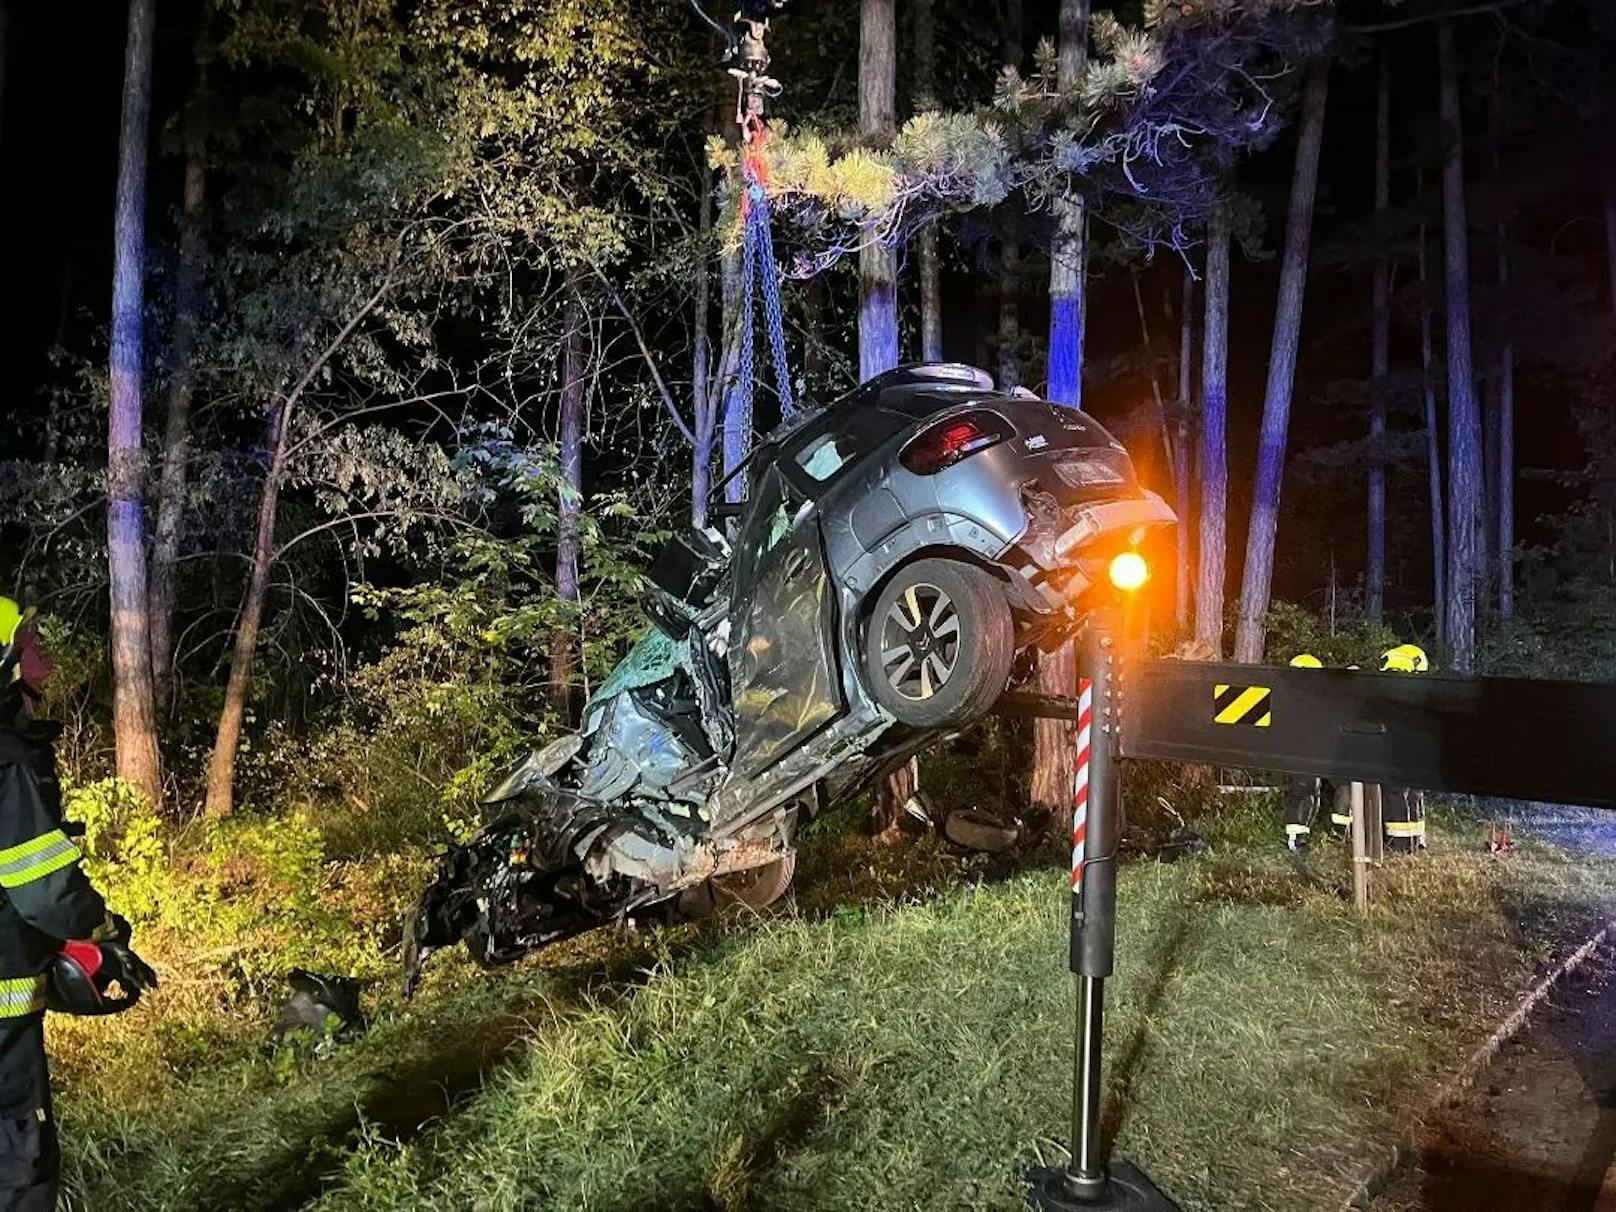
x=12, y=617
x=1405, y=658
x=1306, y=660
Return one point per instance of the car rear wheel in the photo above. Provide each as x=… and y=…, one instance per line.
x=755, y=887
x=940, y=644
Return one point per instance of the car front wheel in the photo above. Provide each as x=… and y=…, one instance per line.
x=940, y=644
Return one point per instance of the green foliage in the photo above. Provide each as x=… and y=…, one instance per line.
x=1348, y=641
x=250, y=890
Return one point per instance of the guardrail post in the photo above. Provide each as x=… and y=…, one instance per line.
x=1086, y=1182
x=1360, y=853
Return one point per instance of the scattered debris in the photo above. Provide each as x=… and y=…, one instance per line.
x=1498, y=838
x=322, y=1012
x=975, y=829
x=1180, y=842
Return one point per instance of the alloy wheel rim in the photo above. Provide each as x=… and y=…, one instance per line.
x=920, y=642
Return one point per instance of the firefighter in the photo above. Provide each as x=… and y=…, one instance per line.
x=46, y=903
x=1403, y=809
x=1303, y=795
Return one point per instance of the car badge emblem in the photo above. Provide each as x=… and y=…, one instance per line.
x=1037, y=442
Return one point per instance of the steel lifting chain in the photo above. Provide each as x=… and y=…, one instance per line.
x=757, y=262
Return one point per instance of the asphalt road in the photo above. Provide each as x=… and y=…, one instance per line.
x=1536, y=1132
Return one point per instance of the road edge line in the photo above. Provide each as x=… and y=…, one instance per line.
x=1383, y=1165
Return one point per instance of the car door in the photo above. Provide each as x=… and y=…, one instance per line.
x=784, y=678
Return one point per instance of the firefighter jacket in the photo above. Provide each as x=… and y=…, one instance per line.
x=45, y=898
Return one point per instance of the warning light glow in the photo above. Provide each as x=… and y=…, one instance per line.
x=1129, y=571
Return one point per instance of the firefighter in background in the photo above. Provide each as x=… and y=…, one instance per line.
x=1403, y=810
x=45, y=902
x=1306, y=795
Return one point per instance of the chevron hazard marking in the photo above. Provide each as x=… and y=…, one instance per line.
x=1251, y=705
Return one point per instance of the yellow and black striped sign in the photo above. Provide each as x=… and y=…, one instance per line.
x=1242, y=705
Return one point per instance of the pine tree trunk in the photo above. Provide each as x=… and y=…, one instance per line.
x=1212, y=554
x=1464, y=419
x=134, y=714
x=1054, y=770
x=1149, y=351
x=1379, y=351
x=1433, y=454
x=574, y=367
x=1504, y=431
x=1257, y=585
x=1068, y=254
x=878, y=296
x=1183, y=585
x=931, y=287
x=931, y=297
x=1009, y=359
x=177, y=428
x=878, y=268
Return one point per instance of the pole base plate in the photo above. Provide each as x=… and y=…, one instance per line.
x=1126, y=1189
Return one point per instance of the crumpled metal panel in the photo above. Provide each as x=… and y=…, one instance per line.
x=783, y=664
x=638, y=744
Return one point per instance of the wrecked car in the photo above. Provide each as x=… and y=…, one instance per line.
x=899, y=555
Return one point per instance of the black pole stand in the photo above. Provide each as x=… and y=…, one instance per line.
x=1086, y=1182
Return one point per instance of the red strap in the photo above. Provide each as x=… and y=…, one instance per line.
x=85, y=955
x=754, y=168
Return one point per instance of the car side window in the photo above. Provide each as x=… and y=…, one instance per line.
x=824, y=456
x=841, y=440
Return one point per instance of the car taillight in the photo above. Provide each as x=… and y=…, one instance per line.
x=951, y=440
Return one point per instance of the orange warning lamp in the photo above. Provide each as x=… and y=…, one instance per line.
x=1129, y=571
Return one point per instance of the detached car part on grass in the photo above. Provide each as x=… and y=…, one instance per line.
x=897, y=553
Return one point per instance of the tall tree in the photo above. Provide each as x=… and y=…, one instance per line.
x=1257, y=584
x=1380, y=323
x=1068, y=253
x=1504, y=454
x=1213, y=453
x=1053, y=771
x=878, y=296
x=931, y=287
x=1183, y=590
x=134, y=715
x=1008, y=222
x=1464, y=418
x=171, y=493
x=574, y=366
x=1433, y=451
x=878, y=268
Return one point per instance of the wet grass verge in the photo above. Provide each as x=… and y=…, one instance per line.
x=900, y=1038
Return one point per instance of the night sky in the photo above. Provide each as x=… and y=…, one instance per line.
x=58, y=156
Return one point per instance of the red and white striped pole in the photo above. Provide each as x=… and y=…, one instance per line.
x=1087, y=1183
x=1080, y=785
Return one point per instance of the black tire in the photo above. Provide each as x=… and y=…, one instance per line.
x=939, y=645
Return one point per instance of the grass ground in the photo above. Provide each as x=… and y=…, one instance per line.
x=897, y=1037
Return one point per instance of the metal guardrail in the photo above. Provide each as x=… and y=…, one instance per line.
x=1521, y=738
